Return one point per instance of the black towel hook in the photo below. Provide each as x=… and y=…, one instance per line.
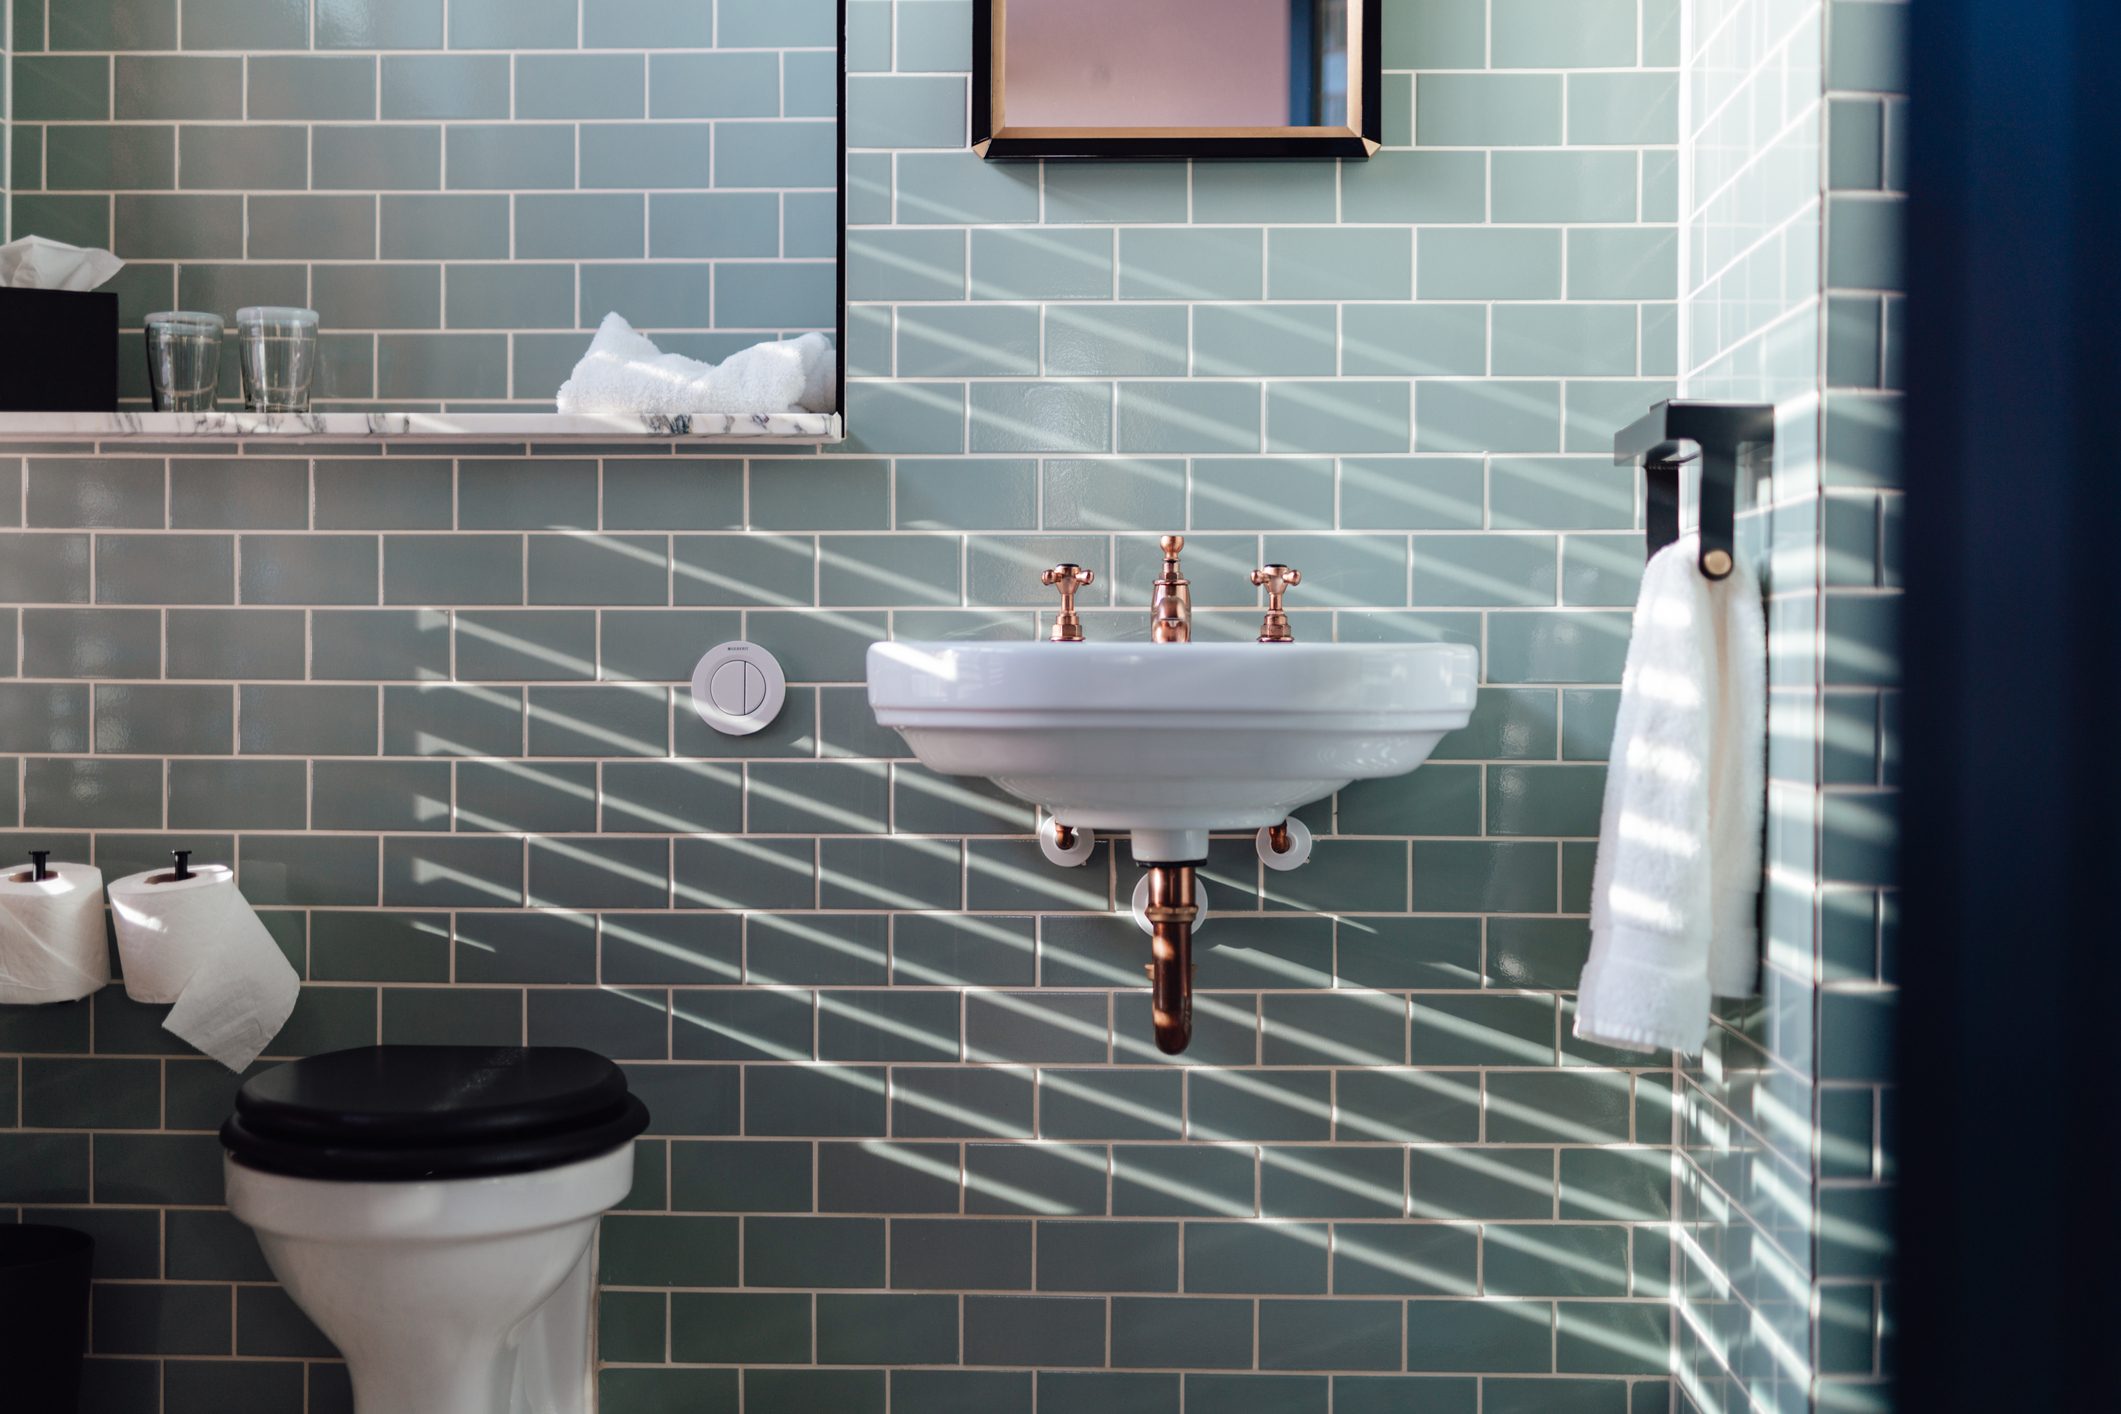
x=1673, y=433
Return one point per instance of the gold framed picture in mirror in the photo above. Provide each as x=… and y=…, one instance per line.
x=1176, y=78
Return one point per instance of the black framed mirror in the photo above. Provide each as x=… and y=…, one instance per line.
x=1176, y=78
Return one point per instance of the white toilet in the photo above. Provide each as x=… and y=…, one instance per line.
x=434, y=1210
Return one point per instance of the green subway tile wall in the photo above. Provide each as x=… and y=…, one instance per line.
x=1785, y=1125
x=914, y=1150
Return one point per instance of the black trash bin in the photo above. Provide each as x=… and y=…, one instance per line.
x=43, y=1316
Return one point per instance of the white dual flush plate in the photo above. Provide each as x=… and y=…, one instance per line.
x=738, y=688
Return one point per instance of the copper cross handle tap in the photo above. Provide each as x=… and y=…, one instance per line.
x=1277, y=580
x=1068, y=628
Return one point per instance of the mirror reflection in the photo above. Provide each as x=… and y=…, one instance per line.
x=1176, y=78
x=1177, y=63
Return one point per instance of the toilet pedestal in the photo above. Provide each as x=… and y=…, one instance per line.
x=465, y=1296
x=556, y=1364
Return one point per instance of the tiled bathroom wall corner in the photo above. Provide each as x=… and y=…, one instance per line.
x=1787, y=1124
x=914, y=1150
x=1752, y=316
x=1862, y=582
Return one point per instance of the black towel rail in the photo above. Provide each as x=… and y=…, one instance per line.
x=1675, y=432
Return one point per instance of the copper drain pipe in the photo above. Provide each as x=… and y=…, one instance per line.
x=1171, y=911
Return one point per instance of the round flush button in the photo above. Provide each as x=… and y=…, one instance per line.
x=738, y=688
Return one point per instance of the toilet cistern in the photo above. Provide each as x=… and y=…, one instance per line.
x=1173, y=739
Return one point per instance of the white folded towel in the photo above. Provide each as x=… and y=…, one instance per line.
x=624, y=372
x=1672, y=896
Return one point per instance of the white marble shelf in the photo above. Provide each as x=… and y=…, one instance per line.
x=421, y=426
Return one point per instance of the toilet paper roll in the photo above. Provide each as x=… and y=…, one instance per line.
x=195, y=942
x=51, y=935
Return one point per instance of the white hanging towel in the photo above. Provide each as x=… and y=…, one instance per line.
x=1672, y=896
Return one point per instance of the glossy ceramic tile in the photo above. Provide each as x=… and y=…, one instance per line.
x=857, y=1000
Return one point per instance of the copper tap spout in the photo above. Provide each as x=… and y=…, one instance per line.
x=1171, y=599
x=1172, y=911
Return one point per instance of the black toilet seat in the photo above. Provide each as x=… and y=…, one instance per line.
x=406, y=1113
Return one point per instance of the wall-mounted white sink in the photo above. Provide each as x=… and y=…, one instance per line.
x=1172, y=740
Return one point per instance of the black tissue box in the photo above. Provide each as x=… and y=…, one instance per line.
x=58, y=351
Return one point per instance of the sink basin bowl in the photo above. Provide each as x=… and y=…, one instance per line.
x=1172, y=740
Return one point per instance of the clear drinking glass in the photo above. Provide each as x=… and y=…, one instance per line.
x=183, y=360
x=278, y=350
